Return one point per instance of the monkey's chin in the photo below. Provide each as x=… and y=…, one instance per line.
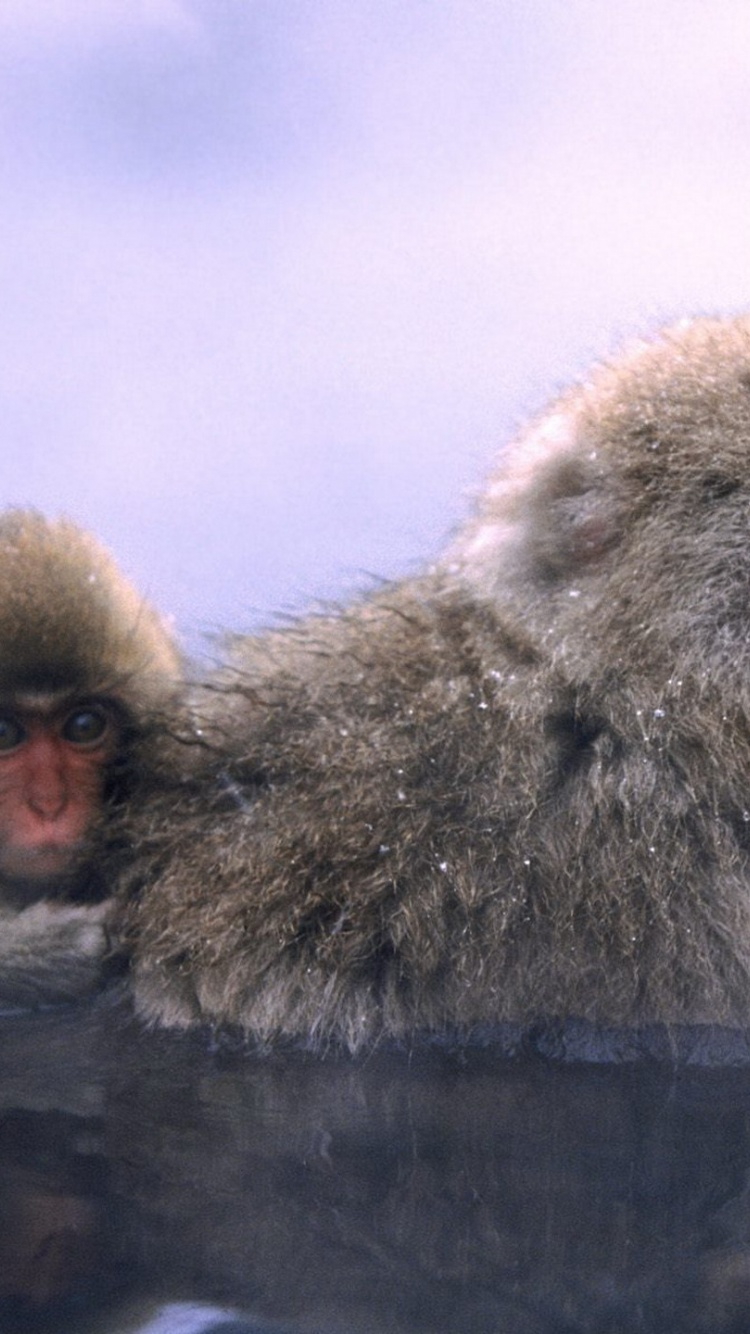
x=46, y=869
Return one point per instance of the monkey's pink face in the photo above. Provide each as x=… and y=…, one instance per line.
x=53, y=762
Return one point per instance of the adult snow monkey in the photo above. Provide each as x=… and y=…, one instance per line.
x=512, y=788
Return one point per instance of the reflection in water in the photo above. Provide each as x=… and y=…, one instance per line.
x=152, y=1182
x=193, y=1318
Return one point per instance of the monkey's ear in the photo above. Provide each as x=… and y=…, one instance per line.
x=571, y=516
x=549, y=513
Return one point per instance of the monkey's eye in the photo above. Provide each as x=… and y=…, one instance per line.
x=11, y=734
x=84, y=727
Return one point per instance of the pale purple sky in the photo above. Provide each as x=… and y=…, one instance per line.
x=278, y=277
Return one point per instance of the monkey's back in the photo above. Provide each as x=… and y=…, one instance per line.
x=419, y=823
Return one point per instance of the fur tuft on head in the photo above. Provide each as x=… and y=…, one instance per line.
x=69, y=621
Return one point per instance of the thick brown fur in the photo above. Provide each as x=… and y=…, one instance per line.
x=70, y=620
x=517, y=787
x=72, y=626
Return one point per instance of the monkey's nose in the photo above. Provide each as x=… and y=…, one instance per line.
x=46, y=788
x=47, y=792
x=49, y=802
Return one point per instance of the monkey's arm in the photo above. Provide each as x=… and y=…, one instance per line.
x=51, y=953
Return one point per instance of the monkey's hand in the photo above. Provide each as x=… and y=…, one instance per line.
x=51, y=953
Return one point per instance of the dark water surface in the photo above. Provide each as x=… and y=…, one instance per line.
x=435, y=1191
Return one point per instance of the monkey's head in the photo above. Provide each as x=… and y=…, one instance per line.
x=70, y=620
x=618, y=527
x=86, y=666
